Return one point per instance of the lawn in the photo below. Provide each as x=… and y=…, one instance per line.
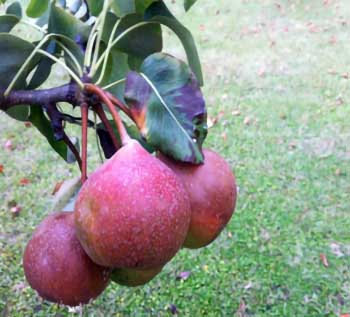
x=277, y=85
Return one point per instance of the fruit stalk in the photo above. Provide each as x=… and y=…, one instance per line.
x=119, y=104
x=90, y=88
x=84, y=122
x=101, y=114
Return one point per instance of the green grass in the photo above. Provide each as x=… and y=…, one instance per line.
x=284, y=69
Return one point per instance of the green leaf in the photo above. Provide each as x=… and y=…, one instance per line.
x=117, y=68
x=123, y=7
x=130, y=51
x=15, y=9
x=141, y=42
x=158, y=12
x=75, y=51
x=13, y=53
x=43, y=70
x=37, y=117
x=36, y=8
x=20, y=112
x=7, y=22
x=168, y=107
x=189, y=3
x=63, y=23
x=134, y=133
x=142, y=5
x=95, y=6
x=134, y=62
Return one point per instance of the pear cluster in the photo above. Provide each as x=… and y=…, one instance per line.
x=131, y=217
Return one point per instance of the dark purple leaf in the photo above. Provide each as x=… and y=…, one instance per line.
x=168, y=107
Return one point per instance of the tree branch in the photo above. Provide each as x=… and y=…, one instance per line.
x=56, y=119
x=67, y=93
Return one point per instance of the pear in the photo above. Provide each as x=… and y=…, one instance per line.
x=213, y=193
x=134, y=277
x=132, y=212
x=57, y=267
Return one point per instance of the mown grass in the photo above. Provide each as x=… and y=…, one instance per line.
x=277, y=81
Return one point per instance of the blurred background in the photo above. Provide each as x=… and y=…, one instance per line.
x=277, y=86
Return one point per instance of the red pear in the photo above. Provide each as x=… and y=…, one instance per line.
x=212, y=191
x=133, y=211
x=134, y=277
x=57, y=267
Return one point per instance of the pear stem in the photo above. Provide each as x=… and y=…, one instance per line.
x=119, y=104
x=99, y=110
x=84, y=127
x=124, y=136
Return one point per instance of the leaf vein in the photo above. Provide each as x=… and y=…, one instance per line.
x=166, y=106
